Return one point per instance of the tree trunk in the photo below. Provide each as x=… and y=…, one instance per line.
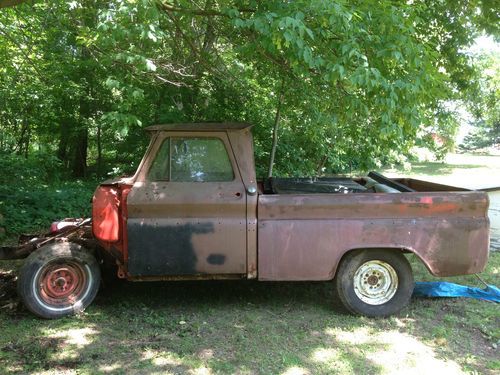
x=319, y=170
x=79, y=160
x=62, y=148
x=21, y=141
x=27, y=143
x=86, y=110
x=99, y=150
x=275, y=130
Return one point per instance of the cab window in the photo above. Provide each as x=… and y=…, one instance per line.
x=192, y=160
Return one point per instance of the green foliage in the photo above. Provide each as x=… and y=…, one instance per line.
x=38, y=168
x=33, y=194
x=484, y=104
x=28, y=209
x=360, y=80
x=481, y=137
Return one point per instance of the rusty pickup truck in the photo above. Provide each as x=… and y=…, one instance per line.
x=195, y=210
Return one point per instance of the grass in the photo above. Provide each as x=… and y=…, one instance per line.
x=464, y=170
x=251, y=327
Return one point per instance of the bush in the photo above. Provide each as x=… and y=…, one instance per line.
x=37, y=168
x=34, y=192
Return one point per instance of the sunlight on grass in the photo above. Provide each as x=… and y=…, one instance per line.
x=166, y=362
x=325, y=355
x=201, y=371
x=338, y=360
x=70, y=342
x=161, y=359
x=14, y=369
x=206, y=354
x=402, y=323
x=466, y=170
x=495, y=270
x=79, y=337
x=295, y=370
x=383, y=348
x=113, y=367
x=270, y=328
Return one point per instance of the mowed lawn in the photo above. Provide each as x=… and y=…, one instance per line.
x=253, y=328
x=464, y=170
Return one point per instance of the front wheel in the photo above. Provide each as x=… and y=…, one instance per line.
x=58, y=279
x=374, y=282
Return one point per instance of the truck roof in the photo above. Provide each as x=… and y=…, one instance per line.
x=200, y=126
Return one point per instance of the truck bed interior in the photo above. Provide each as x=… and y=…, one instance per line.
x=372, y=183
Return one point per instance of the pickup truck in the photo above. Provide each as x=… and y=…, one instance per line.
x=194, y=210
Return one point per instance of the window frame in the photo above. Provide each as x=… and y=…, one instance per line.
x=168, y=136
x=152, y=161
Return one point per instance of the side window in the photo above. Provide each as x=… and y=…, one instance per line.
x=200, y=160
x=191, y=160
x=160, y=170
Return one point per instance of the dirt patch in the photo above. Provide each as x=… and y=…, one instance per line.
x=8, y=295
x=479, y=342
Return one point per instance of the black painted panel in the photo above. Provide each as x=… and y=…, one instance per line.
x=163, y=250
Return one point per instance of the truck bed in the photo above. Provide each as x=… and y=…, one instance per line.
x=303, y=236
x=372, y=183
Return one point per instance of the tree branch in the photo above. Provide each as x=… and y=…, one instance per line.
x=275, y=128
x=199, y=12
x=28, y=59
x=10, y=3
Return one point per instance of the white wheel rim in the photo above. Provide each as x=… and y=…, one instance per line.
x=375, y=282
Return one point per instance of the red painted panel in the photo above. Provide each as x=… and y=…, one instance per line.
x=105, y=224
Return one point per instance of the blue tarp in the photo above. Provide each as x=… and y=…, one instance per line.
x=445, y=289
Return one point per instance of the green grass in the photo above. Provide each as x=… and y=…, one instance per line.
x=252, y=327
x=464, y=170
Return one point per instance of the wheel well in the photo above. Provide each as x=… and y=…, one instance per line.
x=394, y=249
x=93, y=247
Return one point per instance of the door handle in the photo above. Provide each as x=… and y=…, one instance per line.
x=251, y=190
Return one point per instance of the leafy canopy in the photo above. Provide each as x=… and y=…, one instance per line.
x=354, y=80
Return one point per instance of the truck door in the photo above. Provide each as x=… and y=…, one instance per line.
x=187, y=209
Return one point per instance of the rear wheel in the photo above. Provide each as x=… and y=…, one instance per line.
x=59, y=279
x=374, y=282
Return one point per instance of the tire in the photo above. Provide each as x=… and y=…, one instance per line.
x=59, y=279
x=374, y=283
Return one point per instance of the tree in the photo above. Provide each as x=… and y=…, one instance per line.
x=484, y=103
x=343, y=84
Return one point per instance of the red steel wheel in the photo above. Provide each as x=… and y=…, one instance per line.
x=59, y=279
x=62, y=283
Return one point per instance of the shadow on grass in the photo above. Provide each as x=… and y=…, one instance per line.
x=252, y=327
x=218, y=327
x=221, y=327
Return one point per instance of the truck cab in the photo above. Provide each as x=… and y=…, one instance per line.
x=190, y=208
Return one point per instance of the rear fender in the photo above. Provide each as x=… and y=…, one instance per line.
x=403, y=250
